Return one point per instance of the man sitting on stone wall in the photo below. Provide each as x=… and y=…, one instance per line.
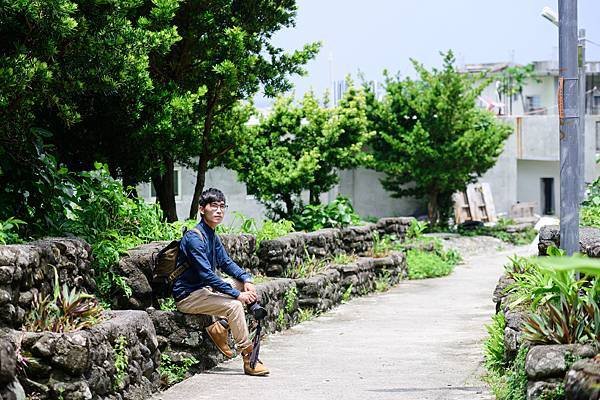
x=199, y=290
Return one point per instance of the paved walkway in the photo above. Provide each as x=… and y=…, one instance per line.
x=421, y=340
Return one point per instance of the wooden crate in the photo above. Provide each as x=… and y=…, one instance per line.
x=476, y=204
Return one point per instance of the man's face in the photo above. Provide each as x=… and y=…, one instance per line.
x=213, y=213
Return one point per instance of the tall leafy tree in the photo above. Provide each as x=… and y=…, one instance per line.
x=301, y=148
x=227, y=48
x=431, y=139
x=70, y=70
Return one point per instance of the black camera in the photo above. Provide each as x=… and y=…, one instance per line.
x=258, y=312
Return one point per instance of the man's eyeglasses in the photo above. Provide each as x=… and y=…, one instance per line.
x=215, y=206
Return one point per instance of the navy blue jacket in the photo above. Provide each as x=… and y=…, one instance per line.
x=205, y=254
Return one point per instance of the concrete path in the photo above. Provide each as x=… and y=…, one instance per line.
x=421, y=340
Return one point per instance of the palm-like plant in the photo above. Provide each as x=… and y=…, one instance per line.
x=63, y=311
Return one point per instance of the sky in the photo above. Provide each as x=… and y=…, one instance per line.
x=372, y=35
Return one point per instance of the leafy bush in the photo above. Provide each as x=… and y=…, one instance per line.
x=306, y=314
x=566, y=309
x=590, y=210
x=511, y=383
x=9, y=231
x=422, y=264
x=268, y=231
x=65, y=311
x=493, y=346
x=172, y=372
x=382, y=245
x=382, y=282
x=347, y=294
x=416, y=229
x=102, y=213
x=337, y=214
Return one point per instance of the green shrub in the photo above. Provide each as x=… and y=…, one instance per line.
x=511, y=383
x=167, y=304
x=268, y=231
x=63, y=311
x=590, y=210
x=9, y=231
x=382, y=245
x=382, y=282
x=416, y=229
x=306, y=314
x=347, y=294
x=172, y=372
x=422, y=264
x=560, y=307
x=493, y=346
x=337, y=214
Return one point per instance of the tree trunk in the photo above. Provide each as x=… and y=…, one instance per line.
x=314, y=198
x=432, y=208
x=199, y=187
x=165, y=191
x=289, y=206
x=205, y=156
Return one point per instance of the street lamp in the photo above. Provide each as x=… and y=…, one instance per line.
x=550, y=15
x=570, y=118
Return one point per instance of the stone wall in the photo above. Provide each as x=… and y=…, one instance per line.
x=28, y=269
x=273, y=257
x=278, y=255
x=81, y=364
x=10, y=387
x=589, y=240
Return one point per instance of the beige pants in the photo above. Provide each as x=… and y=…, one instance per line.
x=206, y=301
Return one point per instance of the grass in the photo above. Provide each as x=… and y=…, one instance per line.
x=344, y=259
x=308, y=267
x=422, y=264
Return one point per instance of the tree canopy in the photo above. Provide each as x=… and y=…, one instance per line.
x=431, y=139
x=300, y=148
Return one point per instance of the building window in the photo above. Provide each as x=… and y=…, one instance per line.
x=533, y=103
x=176, y=184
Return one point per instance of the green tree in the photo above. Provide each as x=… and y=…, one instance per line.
x=302, y=147
x=431, y=138
x=69, y=70
x=226, y=48
x=511, y=82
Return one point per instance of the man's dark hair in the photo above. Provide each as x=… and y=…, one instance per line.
x=211, y=195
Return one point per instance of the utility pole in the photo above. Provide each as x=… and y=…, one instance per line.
x=582, y=109
x=568, y=88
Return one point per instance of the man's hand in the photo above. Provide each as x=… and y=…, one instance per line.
x=247, y=297
x=249, y=287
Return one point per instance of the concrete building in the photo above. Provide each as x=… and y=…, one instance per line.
x=526, y=171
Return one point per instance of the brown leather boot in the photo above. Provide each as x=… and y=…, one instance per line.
x=218, y=334
x=258, y=370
